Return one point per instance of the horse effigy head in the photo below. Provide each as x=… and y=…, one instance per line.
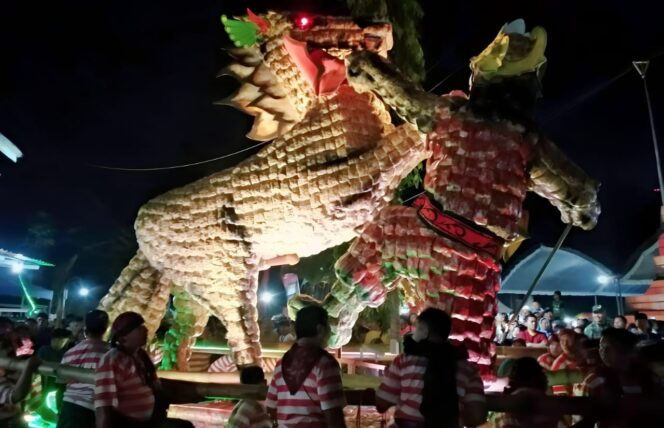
x=288, y=61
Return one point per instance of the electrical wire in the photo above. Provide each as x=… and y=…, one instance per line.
x=186, y=165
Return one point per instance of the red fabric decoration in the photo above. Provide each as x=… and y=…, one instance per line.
x=261, y=23
x=324, y=72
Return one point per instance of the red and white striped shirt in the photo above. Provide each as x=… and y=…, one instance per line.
x=86, y=354
x=404, y=379
x=249, y=414
x=546, y=360
x=119, y=385
x=322, y=390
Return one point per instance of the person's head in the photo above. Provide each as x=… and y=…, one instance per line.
x=75, y=325
x=42, y=320
x=524, y=312
x=501, y=317
x=412, y=318
x=599, y=316
x=129, y=332
x=590, y=352
x=531, y=322
x=252, y=375
x=568, y=340
x=558, y=325
x=557, y=295
x=31, y=323
x=554, y=345
x=283, y=328
x=60, y=338
x=620, y=322
x=535, y=306
x=545, y=324
x=548, y=314
x=641, y=320
x=519, y=343
x=96, y=324
x=432, y=325
x=6, y=326
x=311, y=323
x=527, y=373
x=616, y=347
x=516, y=330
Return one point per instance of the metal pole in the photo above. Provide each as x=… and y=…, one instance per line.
x=642, y=68
x=568, y=228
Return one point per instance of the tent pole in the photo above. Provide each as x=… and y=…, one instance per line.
x=559, y=244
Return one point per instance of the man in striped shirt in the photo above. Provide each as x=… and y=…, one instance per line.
x=126, y=379
x=11, y=394
x=430, y=384
x=78, y=407
x=306, y=389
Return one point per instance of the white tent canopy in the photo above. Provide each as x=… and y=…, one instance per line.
x=571, y=272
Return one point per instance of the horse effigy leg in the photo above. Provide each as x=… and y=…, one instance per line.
x=139, y=288
x=189, y=322
x=230, y=295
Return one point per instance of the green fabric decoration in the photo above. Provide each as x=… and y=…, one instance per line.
x=242, y=33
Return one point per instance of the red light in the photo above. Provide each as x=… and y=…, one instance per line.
x=304, y=22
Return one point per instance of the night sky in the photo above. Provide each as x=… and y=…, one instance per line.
x=132, y=84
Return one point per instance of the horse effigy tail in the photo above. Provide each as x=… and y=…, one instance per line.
x=140, y=288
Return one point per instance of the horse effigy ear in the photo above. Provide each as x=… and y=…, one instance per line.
x=262, y=23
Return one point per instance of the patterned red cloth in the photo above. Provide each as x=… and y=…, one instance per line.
x=404, y=379
x=321, y=390
x=546, y=360
x=87, y=355
x=119, y=385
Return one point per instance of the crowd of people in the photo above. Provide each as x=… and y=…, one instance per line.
x=430, y=384
x=535, y=325
x=126, y=392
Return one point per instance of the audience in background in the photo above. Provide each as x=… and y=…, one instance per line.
x=44, y=331
x=620, y=322
x=599, y=324
x=531, y=336
x=502, y=328
x=558, y=307
x=642, y=329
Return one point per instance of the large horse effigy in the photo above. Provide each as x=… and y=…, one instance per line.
x=485, y=154
x=334, y=163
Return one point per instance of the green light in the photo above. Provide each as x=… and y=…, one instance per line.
x=51, y=403
x=25, y=291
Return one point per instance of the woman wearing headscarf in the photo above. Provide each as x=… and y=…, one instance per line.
x=431, y=384
x=127, y=390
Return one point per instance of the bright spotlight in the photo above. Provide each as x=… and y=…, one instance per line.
x=83, y=291
x=604, y=279
x=568, y=320
x=266, y=297
x=404, y=310
x=17, y=267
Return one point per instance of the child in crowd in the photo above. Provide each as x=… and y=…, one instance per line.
x=250, y=413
